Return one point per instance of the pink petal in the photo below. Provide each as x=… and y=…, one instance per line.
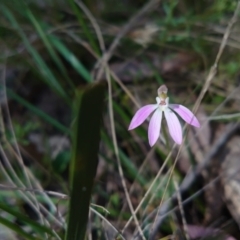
x=185, y=114
x=154, y=127
x=141, y=115
x=174, y=126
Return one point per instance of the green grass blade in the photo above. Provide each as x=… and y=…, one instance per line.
x=14, y=227
x=86, y=140
x=48, y=45
x=35, y=225
x=47, y=74
x=71, y=58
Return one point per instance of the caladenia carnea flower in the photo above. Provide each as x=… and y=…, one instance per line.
x=169, y=110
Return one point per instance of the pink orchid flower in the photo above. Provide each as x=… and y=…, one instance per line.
x=173, y=123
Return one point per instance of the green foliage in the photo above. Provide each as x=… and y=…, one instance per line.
x=21, y=132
